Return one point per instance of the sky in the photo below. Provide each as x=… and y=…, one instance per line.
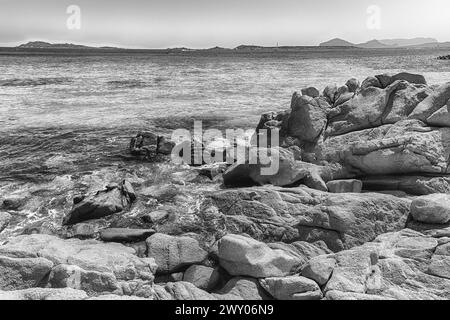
x=225, y=23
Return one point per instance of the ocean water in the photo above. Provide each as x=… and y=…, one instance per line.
x=65, y=118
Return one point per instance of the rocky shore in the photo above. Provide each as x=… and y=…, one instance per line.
x=358, y=210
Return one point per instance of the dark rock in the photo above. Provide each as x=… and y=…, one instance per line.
x=370, y=82
x=345, y=186
x=125, y=234
x=352, y=85
x=310, y=92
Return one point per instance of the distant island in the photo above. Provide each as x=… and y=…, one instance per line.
x=416, y=43
x=388, y=43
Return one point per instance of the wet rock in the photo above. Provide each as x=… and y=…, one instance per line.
x=14, y=202
x=125, y=234
x=243, y=256
x=44, y=294
x=22, y=273
x=292, y=288
x=5, y=218
x=205, y=278
x=433, y=208
x=272, y=214
x=241, y=288
x=345, y=186
x=114, y=199
x=156, y=216
x=174, y=253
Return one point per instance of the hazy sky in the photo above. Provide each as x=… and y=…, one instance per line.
x=228, y=23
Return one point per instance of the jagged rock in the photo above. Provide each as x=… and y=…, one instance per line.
x=352, y=85
x=181, y=291
x=44, y=294
x=308, y=118
x=407, y=147
x=440, y=118
x=388, y=79
x=173, y=253
x=22, y=273
x=373, y=107
x=125, y=234
x=370, y=82
x=310, y=92
x=394, y=266
x=435, y=101
x=81, y=264
x=115, y=198
x=5, y=218
x=241, y=288
x=319, y=268
x=205, y=278
x=292, y=288
x=147, y=143
x=433, y=208
x=244, y=256
x=411, y=184
x=272, y=214
x=345, y=186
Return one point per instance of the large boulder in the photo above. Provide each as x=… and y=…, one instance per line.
x=22, y=273
x=407, y=147
x=435, y=101
x=441, y=118
x=388, y=79
x=398, y=265
x=78, y=264
x=174, y=253
x=433, y=209
x=292, y=288
x=115, y=198
x=203, y=277
x=373, y=107
x=272, y=214
x=308, y=118
x=280, y=168
x=244, y=256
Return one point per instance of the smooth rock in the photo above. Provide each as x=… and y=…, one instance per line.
x=310, y=92
x=352, y=85
x=435, y=101
x=433, y=208
x=22, y=273
x=174, y=253
x=205, y=278
x=370, y=82
x=244, y=256
x=440, y=118
x=181, y=291
x=388, y=79
x=319, y=268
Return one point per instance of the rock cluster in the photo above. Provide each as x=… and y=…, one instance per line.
x=359, y=209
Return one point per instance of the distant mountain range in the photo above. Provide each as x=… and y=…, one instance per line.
x=388, y=43
x=373, y=44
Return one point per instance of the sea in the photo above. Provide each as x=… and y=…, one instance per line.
x=66, y=119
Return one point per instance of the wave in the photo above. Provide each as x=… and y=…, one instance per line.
x=32, y=82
